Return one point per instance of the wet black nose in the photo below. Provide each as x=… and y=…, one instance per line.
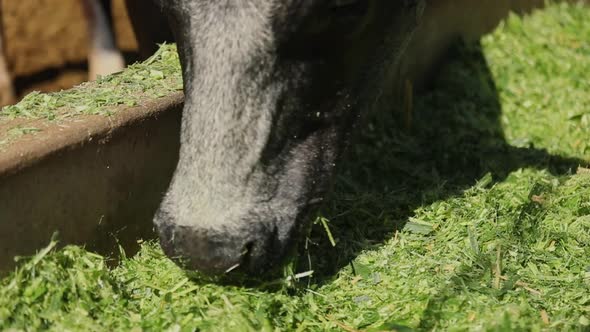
x=218, y=252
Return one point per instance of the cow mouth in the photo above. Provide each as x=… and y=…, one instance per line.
x=256, y=252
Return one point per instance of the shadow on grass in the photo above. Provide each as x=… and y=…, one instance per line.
x=455, y=140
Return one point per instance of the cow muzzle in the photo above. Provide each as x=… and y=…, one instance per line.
x=250, y=252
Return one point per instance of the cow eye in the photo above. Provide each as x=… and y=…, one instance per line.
x=328, y=28
x=338, y=17
x=348, y=8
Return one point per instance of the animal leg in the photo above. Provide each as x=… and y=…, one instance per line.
x=104, y=57
x=149, y=24
x=7, y=96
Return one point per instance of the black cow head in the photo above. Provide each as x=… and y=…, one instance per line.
x=273, y=90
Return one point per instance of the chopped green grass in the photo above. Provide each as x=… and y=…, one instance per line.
x=477, y=219
x=156, y=77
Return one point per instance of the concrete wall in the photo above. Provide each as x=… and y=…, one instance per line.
x=94, y=180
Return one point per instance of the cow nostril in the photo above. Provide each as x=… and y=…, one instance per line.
x=245, y=256
x=247, y=251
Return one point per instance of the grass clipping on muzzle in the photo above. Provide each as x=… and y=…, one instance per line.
x=479, y=219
